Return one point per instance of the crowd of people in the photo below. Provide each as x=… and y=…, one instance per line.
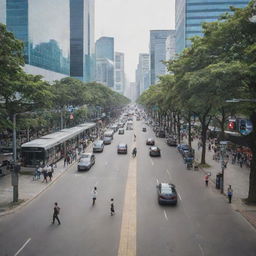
x=46, y=172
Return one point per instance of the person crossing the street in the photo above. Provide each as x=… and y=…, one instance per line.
x=94, y=195
x=56, y=212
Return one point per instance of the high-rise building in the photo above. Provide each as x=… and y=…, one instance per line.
x=105, y=48
x=119, y=73
x=58, y=36
x=170, y=46
x=82, y=47
x=142, y=73
x=157, y=53
x=190, y=14
x=105, y=72
x=105, y=59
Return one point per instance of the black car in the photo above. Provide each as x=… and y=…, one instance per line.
x=171, y=142
x=154, y=151
x=144, y=129
x=150, y=142
x=167, y=194
x=121, y=131
x=161, y=134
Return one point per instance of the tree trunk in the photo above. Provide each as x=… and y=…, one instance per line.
x=178, y=127
x=203, y=135
x=189, y=130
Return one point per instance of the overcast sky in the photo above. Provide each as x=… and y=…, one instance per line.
x=129, y=22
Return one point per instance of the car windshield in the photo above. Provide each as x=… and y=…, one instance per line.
x=84, y=156
x=85, y=160
x=154, y=148
x=122, y=146
x=166, y=189
x=97, y=144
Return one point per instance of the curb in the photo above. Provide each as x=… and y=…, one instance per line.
x=8, y=212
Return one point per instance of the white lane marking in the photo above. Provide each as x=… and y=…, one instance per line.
x=23, y=246
x=165, y=215
x=169, y=174
x=201, y=249
x=179, y=196
x=151, y=161
x=157, y=182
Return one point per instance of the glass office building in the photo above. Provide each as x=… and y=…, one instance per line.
x=82, y=49
x=58, y=35
x=190, y=14
x=157, y=53
x=105, y=48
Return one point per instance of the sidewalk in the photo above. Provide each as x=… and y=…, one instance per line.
x=233, y=175
x=28, y=188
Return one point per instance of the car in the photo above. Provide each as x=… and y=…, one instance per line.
x=154, y=151
x=122, y=148
x=167, y=194
x=171, y=142
x=98, y=146
x=86, y=161
x=161, y=134
x=150, y=142
x=107, y=140
x=137, y=118
x=144, y=129
x=182, y=148
x=121, y=131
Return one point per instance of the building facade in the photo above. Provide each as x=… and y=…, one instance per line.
x=143, y=72
x=170, y=46
x=157, y=53
x=105, y=48
x=190, y=14
x=105, y=61
x=51, y=44
x=119, y=73
x=105, y=72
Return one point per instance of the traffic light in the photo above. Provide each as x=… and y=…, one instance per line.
x=232, y=124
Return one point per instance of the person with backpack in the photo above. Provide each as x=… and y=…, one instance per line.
x=112, y=209
x=56, y=212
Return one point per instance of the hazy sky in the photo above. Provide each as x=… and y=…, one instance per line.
x=129, y=22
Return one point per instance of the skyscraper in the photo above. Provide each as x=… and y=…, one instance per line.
x=105, y=48
x=190, y=14
x=82, y=50
x=58, y=36
x=142, y=73
x=105, y=59
x=119, y=73
x=157, y=53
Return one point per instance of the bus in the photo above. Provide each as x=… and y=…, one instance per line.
x=52, y=147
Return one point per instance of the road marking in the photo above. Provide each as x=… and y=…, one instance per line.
x=23, y=246
x=151, y=161
x=165, y=215
x=201, y=249
x=169, y=174
x=179, y=196
x=157, y=182
x=127, y=244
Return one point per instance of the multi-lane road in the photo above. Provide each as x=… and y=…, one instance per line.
x=202, y=223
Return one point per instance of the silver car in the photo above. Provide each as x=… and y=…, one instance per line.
x=98, y=146
x=86, y=161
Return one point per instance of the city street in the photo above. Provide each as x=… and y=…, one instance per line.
x=202, y=223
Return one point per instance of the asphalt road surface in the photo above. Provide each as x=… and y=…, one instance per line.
x=201, y=224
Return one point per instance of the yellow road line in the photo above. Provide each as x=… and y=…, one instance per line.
x=127, y=244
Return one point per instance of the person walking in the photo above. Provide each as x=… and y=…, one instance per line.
x=112, y=209
x=35, y=173
x=230, y=194
x=49, y=172
x=206, y=179
x=56, y=212
x=94, y=196
x=39, y=172
x=45, y=174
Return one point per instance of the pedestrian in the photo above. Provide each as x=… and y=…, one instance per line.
x=35, y=173
x=39, y=172
x=112, y=209
x=56, y=212
x=230, y=193
x=206, y=179
x=209, y=147
x=94, y=195
x=44, y=172
x=65, y=161
x=241, y=161
x=49, y=172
